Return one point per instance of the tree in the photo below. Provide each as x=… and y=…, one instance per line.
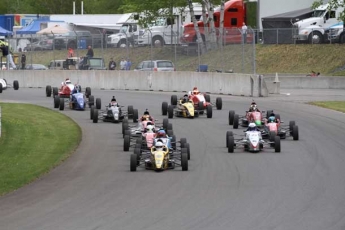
x=333, y=5
x=221, y=23
x=196, y=27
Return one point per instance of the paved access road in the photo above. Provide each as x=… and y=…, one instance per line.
x=303, y=187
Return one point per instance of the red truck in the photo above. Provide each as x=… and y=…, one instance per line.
x=234, y=16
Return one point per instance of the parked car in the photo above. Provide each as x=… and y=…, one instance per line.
x=156, y=65
x=79, y=39
x=46, y=44
x=35, y=67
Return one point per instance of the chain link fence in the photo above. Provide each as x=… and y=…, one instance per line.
x=228, y=50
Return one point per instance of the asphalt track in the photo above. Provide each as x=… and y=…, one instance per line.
x=301, y=188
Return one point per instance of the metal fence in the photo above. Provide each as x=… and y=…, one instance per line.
x=229, y=51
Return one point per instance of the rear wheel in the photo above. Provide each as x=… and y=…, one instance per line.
x=135, y=115
x=219, y=103
x=130, y=111
x=170, y=133
x=0, y=88
x=170, y=111
x=56, y=102
x=170, y=126
x=62, y=104
x=164, y=108
x=87, y=92
x=231, y=117
x=48, y=91
x=295, y=134
x=126, y=143
x=272, y=135
x=228, y=134
x=173, y=99
x=236, y=120
x=124, y=127
x=207, y=97
x=55, y=91
x=231, y=144
x=184, y=159
x=134, y=163
x=95, y=116
x=209, y=111
x=291, y=125
x=277, y=144
x=91, y=101
x=91, y=112
x=98, y=103
x=165, y=123
x=15, y=85
x=186, y=145
x=201, y=105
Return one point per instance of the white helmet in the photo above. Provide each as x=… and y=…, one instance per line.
x=251, y=126
x=68, y=81
x=149, y=128
x=159, y=145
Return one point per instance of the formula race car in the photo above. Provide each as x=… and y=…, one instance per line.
x=66, y=90
x=201, y=100
x=255, y=117
x=159, y=157
x=252, y=142
x=76, y=101
x=4, y=85
x=273, y=127
x=184, y=108
x=113, y=113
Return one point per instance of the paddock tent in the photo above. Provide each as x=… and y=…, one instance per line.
x=4, y=32
x=35, y=26
x=277, y=29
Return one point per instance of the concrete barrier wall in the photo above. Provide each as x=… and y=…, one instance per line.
x=224, y=83
x=308, y=82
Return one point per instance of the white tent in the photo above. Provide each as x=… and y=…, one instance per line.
x=57, y=29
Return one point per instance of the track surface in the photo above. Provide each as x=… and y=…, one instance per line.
x=303, y=187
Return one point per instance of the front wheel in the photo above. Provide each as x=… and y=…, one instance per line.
x=315, y=37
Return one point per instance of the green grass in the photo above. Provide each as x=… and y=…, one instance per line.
x=335, y=105
x=34, y=140
x=296, y=59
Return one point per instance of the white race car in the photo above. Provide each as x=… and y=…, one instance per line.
x=5, y=85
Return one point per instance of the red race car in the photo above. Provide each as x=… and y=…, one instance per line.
x=65, y=90
x=202, y=100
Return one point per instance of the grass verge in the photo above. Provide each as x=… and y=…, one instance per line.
x=34, y=140
x=335, y=105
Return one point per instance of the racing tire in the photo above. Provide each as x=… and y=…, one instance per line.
x=125, y=120
x=169, y=127
x=231, y=117
x=295, y=134
x=62, y=104
x=277, y=144
x=272, y=135
x=124, y=127
x=87, y=92
x=130, y=111
x=56, y=102
x=187, y=146
x=207, y=98
x=173, y=100
x=127, y=132
x=231, y=144
x=291, y=125
x=184, y=159
x=133, y=164
x=219, y=103
x=165, y=123
x=228, y=134
x=55, y=91
x=164, y=108
x=236, y=121
x=91, y=100
x=91, y=112
x=170, y=133
x=15, y=85
x=126, y=143
x=98, y=103
x=201, y=105
x=95, y=116
x=0, y=88
x=137, y=152
x=139, y=141
x=183, y=141
x=48, y=91
x=209, y=111
x=173, y=142
x=170, y=111
x=135, y=115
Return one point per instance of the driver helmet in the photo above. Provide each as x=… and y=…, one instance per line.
x=159, y=145
x=271, y=119
x=252, y=127
x=195, y=91
x=185, y=98
x=254, y=107
x=161, y=133
x=75, y=90
x=150, y=128
x=68, y=81
x=146, y=112
x=113, y=99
